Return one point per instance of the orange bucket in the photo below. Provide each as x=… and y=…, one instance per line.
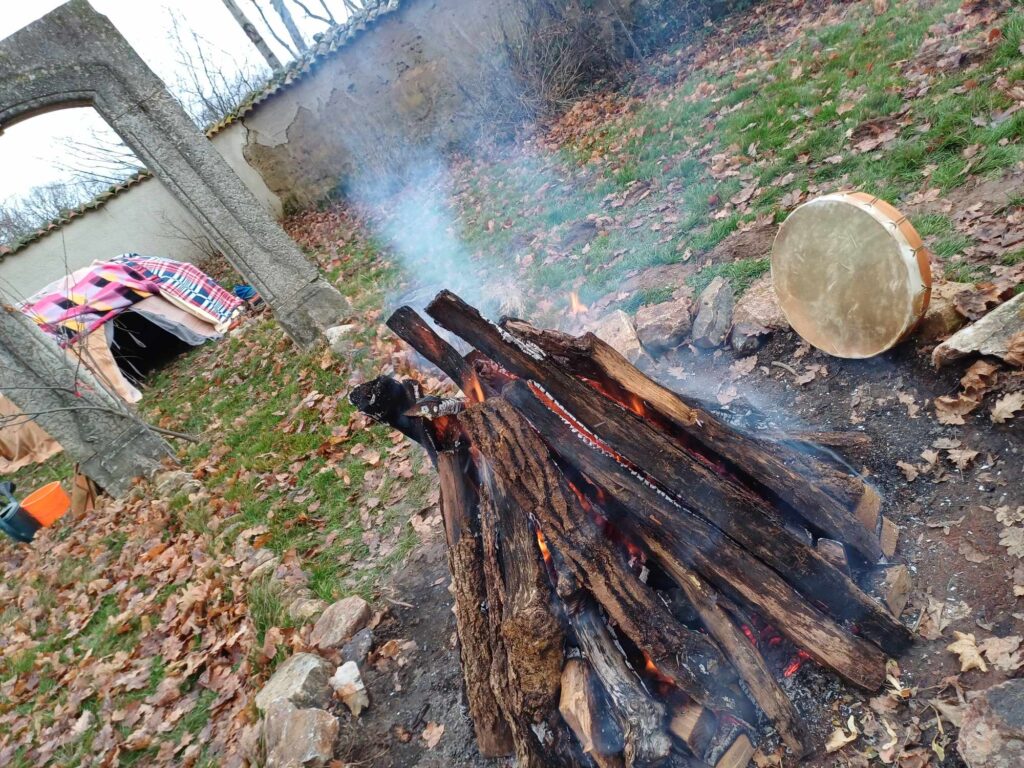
x=48, y=504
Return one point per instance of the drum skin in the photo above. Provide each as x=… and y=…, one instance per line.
x=851, y=274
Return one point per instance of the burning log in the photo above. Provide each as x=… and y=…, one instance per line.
x=569, y=478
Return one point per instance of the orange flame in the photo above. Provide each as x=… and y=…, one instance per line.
x=798, y=661
x=474, y=389
x=543, y=545
x=577, y=307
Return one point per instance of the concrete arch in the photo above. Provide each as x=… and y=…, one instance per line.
x=74, y=56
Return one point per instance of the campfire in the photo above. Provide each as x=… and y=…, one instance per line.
x=622, y=559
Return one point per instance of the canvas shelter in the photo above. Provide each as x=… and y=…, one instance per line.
x=119, y=318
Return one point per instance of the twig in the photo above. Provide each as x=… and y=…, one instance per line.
x=785, y=367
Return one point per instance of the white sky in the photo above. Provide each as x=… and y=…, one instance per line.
x=28, y=149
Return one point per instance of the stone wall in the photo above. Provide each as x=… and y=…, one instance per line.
x=144, y=218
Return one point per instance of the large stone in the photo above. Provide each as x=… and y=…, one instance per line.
x=298, y=738
x=304, y=608
x=759, y=305
x=714, y=314
x=992, y=730
x=340, y=340
x=74, y=55
x=616, y=329
x=301, y=680
x=339, y=622
x=661, y=327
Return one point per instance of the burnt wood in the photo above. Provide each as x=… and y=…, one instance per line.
x=524, y=470
x=734, y=509
x=821, y=494
x=670, y=532
x=465, y=562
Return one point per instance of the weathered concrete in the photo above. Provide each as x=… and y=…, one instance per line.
x=74, y=56
x=98, y=430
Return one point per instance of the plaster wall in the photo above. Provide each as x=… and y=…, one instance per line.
x=144, y=218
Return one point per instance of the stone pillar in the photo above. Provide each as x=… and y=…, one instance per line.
x=74, y=56
x=109, y=441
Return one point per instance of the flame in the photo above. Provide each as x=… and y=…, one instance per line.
x=750, y=634
x=636, y=405
x=543, y=545
x=577, y=307
x=474, y=389
x=652, y=669
x=798, y=661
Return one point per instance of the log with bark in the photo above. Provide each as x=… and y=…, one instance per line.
x=612, y=542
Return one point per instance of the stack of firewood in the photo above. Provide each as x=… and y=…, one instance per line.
x=616, y=551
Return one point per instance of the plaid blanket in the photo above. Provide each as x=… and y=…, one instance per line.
x=185, y=284
x=78, y=304
x=81, y=302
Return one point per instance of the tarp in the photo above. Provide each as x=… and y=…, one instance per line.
x=76, y=312
x=78, y=304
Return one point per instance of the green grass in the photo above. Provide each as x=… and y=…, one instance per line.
x=740, y=274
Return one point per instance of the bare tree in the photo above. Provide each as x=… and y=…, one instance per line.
x=207, y=91
x=270, y=27
x=253, y=34
x=289, y=24
x=329, y=19
x=99, y=160
x=26, y=214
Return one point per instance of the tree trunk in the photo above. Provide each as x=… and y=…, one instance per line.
x=289, y=23
x=253, y=34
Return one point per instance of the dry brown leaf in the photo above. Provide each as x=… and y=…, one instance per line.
x=978, y=378
x=951, y=410
x=1013, y=539
x=742, y=367
x=908, y=400
x=840, y=738
x=1006, y=406
x=432, y=734
x=971, y=554
x=1003, y=652
x=909, y=470
x=961, y=457
x=967, y=650
x=1008, y=516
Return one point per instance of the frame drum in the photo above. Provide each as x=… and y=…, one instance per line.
x=851, y=274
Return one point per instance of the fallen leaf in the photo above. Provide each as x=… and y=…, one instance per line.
x=881, y=6
x=967, y=650
x=1015, y=351
x=742, y=367
x=971, y=554
x=908, y=400
x=841, y=738
x=846, y=106
x=951, y=410
x=1008, y=516
x=1007, y=406
x=909, y=470
x=1002, y=652
x=961, y=457
x=978, y=378
x=1013, y=539
x=432, y=734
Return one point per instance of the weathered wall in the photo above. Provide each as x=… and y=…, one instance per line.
x=145, y=218
x=406, y=82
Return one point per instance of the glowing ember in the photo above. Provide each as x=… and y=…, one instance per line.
x=577, y=307
x=474, y=390
x=750, y=635
x=798, y=661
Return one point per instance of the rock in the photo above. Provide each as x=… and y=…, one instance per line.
x=265, y=568
x=348, y=686
x=302, y=680
x=992, y=730
x=759, y=305
x=175, y=481
x=358, y=648
x=616, y=329
x=747, y=338
x=941, y=319
x=298, y=737
x=305, y=608
x=339, y=340
x=661, y=327
x=339, y=622
x=714, y=314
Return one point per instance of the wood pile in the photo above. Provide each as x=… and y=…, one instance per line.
x=618, y=553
